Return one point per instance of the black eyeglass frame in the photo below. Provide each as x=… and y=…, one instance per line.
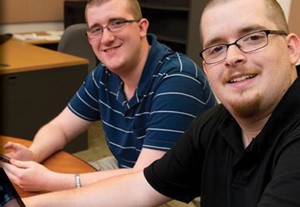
x=267, y=32
x=123, y=21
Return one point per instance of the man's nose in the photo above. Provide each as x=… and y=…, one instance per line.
x=234, y=54
x=107, y=35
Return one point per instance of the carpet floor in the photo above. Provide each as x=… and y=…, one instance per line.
x=97, y=147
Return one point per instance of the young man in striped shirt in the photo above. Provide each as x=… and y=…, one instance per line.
x=144, y=93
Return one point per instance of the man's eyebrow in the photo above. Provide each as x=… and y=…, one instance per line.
x=253, y=28
x=214, y=41
x=116, y=19
x=240, y=33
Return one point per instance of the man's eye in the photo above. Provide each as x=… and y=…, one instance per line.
x=96, y=29
x=117, y=23
x=216, y=49
x=254, y=38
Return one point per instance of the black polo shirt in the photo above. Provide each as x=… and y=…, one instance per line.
x=210, y=160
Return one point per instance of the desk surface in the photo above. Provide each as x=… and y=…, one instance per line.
x=18, y=56
x=59, y=162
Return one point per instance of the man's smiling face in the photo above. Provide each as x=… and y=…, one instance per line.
x=115, y=49
x=248, y=84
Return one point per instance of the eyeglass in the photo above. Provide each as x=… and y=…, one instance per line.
x=113, y=26
x=246, y=44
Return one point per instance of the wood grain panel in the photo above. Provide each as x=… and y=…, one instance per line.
x=294, y=17
x=29, y=11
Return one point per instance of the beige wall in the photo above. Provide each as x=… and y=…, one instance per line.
x=31, y=11
x=294, y=17
x=285, y=4
x=292, y=11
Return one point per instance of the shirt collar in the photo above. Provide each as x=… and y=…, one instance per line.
x=157, y=53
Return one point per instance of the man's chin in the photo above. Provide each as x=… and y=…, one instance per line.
x=246, y=108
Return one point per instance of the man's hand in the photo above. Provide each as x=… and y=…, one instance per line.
x=18, y=151
x=28, y=175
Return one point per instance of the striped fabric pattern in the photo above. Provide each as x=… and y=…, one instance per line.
x=172, y=91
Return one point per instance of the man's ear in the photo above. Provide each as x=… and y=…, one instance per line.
x=144, y=24
x=293, y=42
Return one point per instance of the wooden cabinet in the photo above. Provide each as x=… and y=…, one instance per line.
x=74, y=12
x=31, y=99
x=168, y=21
x=36, y=84
x=176, y=23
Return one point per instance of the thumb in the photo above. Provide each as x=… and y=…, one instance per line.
x=8, y=145
x=12, y=146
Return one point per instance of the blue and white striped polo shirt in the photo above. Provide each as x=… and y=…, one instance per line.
x=171, y=92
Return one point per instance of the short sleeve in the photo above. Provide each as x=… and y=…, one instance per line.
x=177, y=175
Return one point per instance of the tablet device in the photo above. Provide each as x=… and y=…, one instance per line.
x=4, y=158
x=8, y=194
x=5, y=37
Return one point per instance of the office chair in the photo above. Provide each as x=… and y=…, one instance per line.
x=75, y=42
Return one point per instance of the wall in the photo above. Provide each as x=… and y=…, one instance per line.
x=31, y=15
x=291, y=9
x=286, y=5
x=292, y=13
x=24, y=11
x=294, y=17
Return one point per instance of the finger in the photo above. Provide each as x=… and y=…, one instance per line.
x=11, y=145
x=11, y=171
x=13, y=175
x=12, y=167
x=8, y=145
x=20, y=164
x=4, y=164
x=16, y=174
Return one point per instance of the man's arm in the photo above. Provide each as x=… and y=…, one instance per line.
x=56, y=134
x=51, y=137
x=21, y=173
x=131, y=190
x=146, y=157
x=60, y=181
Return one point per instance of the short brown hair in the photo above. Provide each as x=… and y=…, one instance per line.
x=273, y=11
x=133, y=6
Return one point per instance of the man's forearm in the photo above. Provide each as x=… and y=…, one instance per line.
x=48, y=140
x=131, y=190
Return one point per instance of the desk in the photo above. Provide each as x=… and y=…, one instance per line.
x=45, y=39
x=40, y=38
x=18, y=56
x=59, y=162
x=36, y=84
